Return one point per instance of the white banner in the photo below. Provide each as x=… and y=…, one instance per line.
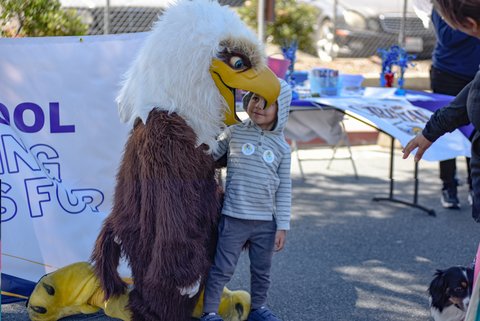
x=400, y=119
x=61, y=143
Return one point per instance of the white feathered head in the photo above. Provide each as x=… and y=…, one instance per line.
x=196, y=55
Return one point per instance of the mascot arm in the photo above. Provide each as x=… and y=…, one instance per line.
x=179, y=204
x=223, y=142
x=121, y=222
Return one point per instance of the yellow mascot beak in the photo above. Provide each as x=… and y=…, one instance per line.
x=227, y=79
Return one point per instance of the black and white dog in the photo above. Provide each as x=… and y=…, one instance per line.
x=450, y=292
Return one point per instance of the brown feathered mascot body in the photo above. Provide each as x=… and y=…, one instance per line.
x=176, y=94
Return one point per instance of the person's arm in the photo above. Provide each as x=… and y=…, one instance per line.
x=449, y=118
x=283, y=201
x=223, y=142
x=446, y=35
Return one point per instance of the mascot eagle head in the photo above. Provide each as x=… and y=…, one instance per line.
x=195, y=57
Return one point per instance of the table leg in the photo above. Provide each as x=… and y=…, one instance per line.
x=299, y=161
x=346, y=142
x=391, y=197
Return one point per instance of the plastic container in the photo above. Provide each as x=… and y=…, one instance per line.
x=324, y=82
x=278, y=66
x=350, y=83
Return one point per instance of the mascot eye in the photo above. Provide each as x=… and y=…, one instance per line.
x=50, y=290
x=237, y=63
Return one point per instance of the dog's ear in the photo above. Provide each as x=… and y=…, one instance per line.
x=437, y=290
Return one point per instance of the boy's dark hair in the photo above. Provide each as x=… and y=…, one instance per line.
x=456, y=12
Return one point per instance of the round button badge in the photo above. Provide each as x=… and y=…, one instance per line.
x=268, y=156
x=248, y=149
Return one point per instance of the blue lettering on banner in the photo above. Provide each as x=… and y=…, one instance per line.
x=55, y=126
x=4, y=116
x=393, y=113
x=8, y=205
x=20, y=121
x=40, y=190
x=76, y=200
x=45, y=154
x=37, y=193
x=16, y=154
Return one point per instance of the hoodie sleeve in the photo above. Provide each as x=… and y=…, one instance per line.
x=223, y=142
x=283, y=197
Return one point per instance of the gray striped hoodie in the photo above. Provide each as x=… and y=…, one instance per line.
x=258, y=184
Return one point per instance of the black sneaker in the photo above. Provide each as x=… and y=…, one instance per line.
x=449, y=199
x=262, y=314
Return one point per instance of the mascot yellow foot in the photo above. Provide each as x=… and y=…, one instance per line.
x=74, y=289
x=234, y=305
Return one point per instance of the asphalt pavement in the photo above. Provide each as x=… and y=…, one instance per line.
x=348, y=258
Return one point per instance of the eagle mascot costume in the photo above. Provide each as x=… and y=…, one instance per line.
x=178, y=94
x=167, y=201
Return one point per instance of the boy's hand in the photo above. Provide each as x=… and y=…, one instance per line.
x=419, y=141
x=280, y=238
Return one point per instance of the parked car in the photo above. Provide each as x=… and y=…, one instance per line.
x=125, y=16
x=361, y=27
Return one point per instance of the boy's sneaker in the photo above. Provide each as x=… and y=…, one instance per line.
x=211, y=317
x=449, y=198
x=262, y=314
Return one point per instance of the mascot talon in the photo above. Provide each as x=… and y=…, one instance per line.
x=191, y=290
x=74, y=289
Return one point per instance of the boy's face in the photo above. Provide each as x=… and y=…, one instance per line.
x=265, y=118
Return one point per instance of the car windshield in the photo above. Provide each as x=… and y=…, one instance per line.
x=374, y=7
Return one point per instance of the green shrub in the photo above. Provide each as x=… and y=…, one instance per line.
x=38, y=18
x=293, y=22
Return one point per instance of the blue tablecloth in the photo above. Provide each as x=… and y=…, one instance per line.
x=430, y=101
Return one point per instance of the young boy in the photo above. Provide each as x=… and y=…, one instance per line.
x=256, y=209
x=463, y=15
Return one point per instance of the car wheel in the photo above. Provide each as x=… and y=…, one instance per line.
x=325, y=44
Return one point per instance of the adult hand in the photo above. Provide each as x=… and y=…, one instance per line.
x=419, y=141
x=280, y=238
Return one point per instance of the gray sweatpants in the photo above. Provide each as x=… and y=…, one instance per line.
x=233, y=233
